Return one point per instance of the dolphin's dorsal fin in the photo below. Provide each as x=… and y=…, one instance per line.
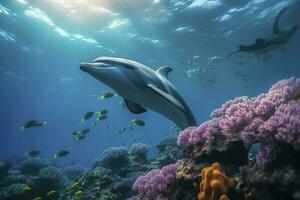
x=164, y=70
x=166, y=96
x=134, y=107
x=276, y=29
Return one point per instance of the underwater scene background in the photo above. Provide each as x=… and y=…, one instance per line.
x=43, y=42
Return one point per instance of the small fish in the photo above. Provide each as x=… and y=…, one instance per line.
x=38, y=198
x=87, y=116
x=74, y=185
x=106, y=95
x=78, y=193
x=138, y=122
x=33, y=123
x=94, y=124
x=61, y=154
x=122, y=130
x=51, y=193
x=75, y=133
x=85, y=131
x=103, y=112
x=102, y=117
x=79, y=136
x=32, y=153
x=106, y=126
x=27, y=189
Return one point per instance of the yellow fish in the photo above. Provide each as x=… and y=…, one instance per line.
x=78, y=193
x=27, y=189
x=51, y=193
x=38, y=198
x=74, y=185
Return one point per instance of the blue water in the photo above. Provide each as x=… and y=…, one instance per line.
x=43, y=42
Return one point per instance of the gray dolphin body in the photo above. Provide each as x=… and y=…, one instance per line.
x=141, y=86
x=278, y=38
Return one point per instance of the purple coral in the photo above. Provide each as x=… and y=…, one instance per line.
x=285, y=123
x=269, y=118
x=155, y=182
x=140, y=150
x=114, y=157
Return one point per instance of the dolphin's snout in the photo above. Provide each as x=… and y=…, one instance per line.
x=84, y=66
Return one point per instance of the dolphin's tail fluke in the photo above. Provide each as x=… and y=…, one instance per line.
x=276, y=23
x=232, y=53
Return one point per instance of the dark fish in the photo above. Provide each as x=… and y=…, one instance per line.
x=87, y=116
x=75, y=133
x=106, y=95
x=102, y=117
x=138, y=122
x=103, y=112
x=85, y=131
x=33, y=123
x=61, y=154
x=32, y=153
x=79, y=136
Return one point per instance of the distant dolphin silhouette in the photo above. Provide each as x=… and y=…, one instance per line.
x=278, y=38
x=141, y=86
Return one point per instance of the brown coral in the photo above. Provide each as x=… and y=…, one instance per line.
x=215, y=184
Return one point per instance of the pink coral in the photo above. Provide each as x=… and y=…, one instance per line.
x=204, y=133
x=269, y=118
x=155, y=182
x=285, y=123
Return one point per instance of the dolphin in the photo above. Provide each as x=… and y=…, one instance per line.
x=142, y=87
x=278, y=38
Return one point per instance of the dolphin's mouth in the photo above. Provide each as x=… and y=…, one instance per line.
x=85, y=66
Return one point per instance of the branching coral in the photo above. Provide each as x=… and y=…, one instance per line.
x=269, y=119
x=114, y=157
x=154, y=183
x=140, y=150
x=215, y=184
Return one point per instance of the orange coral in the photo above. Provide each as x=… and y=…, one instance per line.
x=215, y=184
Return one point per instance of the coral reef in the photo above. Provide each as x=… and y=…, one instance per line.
x=154, y=184
x=214, y=184
x=255, y=140
x=73, y=172
x=115, y=158
x=269, y=119
x=32, y=166
x=169, y=151
x=50, y=178
x=140, y=151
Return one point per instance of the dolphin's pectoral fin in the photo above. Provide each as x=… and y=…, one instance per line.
x=134, y=107
x=166, y=96
x=165, y=70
